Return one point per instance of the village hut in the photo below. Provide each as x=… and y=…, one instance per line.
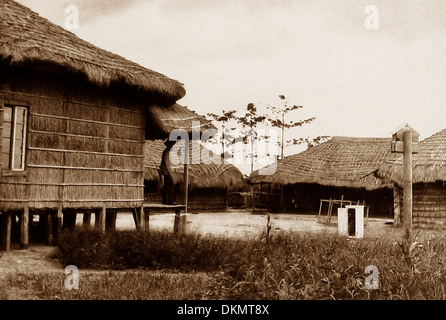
x=73, y=122
x=339, y=169
x=211, y=179
x=429, y=182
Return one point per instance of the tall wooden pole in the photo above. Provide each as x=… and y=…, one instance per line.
x=186, y=173
x=407, y=192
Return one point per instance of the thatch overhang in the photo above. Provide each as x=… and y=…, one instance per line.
x=341, y=162
x=30, y=40
x=164, y=120
x=204, y=174
x=428, y=165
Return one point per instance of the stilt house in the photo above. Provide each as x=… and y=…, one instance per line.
x=73, y=122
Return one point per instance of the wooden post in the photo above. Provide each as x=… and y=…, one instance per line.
x=330, y=207
x=24, y=228
x=282, y=199
x=227, y=199
x=69, y=220
x=110, y=220
x=320, y=210
x=49, y=228
x=396, y=205
x=100, y=218
x=261, y=195
x=179, y=223
x=137, y=212
x=186, y=173
x=146, y=214
x=141, y=219
x=5, y=232
x=407, y=192
x=58, y=221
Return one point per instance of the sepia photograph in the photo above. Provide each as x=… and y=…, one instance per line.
x=222, y=157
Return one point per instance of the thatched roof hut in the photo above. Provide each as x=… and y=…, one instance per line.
x=73, y=123
x=429, y=182
x=205, y=174
x=26, y=39
x=341, y=161
x=429, y=164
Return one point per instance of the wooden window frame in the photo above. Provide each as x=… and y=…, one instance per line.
x=11, y=165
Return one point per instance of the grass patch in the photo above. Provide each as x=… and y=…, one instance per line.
x=282, y=266
x=112, y=285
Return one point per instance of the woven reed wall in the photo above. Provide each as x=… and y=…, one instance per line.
x=429, y=205
x=84, y=145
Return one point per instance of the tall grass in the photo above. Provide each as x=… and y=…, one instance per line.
x=280, y=266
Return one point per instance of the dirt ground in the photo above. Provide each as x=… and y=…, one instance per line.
x=38, y=258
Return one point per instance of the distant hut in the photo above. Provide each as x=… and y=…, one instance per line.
x=429, y=182
x=73, y=122
x=210, y=178
x=341, y=168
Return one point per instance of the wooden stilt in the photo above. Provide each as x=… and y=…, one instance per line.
x=100, y=219
x=58, y=222
x=24, y=228
x=5, y=232
x=141, y=218
x=136, y=213
x=86, y=220
x=110, y=220
x=146, y=214
x=69, y=220
x=49, y=228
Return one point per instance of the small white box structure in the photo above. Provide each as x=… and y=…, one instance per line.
x=351, y=221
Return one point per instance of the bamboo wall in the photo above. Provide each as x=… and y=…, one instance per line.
x=84, y=144
x=428, y=205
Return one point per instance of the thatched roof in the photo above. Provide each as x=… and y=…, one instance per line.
x=167, y=119
x=341, y=161
x=26, y=38
x=429, y=164
x=202, y=175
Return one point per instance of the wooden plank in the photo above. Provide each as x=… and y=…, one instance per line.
x=86, y=152
x=155, y=206
x=89, y=121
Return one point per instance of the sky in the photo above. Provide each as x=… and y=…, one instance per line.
x=355, y=80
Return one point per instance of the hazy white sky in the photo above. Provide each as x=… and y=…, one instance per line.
x=318, y=53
